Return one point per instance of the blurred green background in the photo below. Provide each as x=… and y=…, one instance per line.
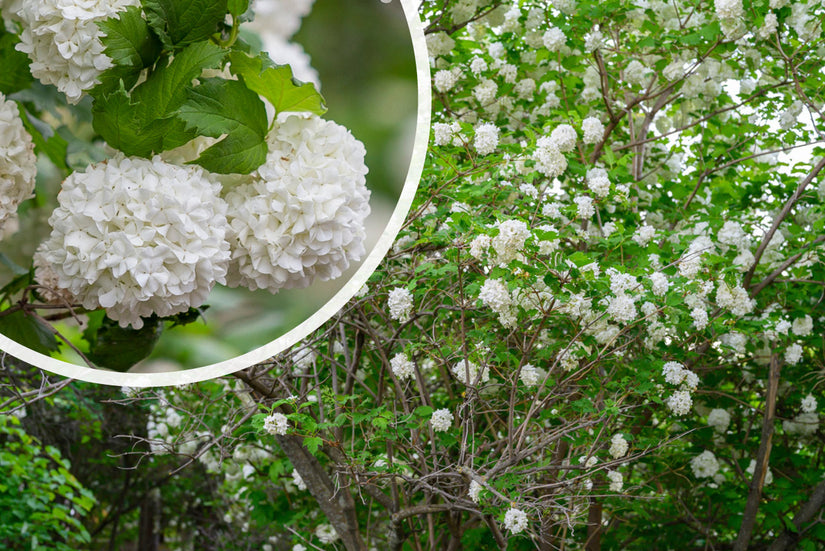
x=363, y=53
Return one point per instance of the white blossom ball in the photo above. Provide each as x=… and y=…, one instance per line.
x=444, y=80
x=302, y=218
x=62, y=39
x=402, y=366
x=564, y=136
x=476, y=372
x=809, y=404
x=276, y=424
x=793, y=354
x=530, y=375
x=298, y=480
x=138, y=237
x=616, y=481
x=704, y=465
x=802, y=326
x=680, y=402
x=728, y=9
x=659, y=283
x=592, y=130
x=441, y=420
x=549, y=159
x=474, y=492
x=486, y=138
x=598, y=182
x=17, y=163
x=326, y=533
x=554, y=39
x=674, y=372
x=515, y=520
x=512, y=234
x=400, y=302
x=618, y=446
x=719, y=419
x=585, y=206
x=282, y=18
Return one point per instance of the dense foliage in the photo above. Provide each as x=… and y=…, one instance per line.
x=601, y=327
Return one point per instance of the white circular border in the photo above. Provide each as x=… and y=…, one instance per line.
x=422, y=135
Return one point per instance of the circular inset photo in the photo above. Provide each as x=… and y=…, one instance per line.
x=189, y=188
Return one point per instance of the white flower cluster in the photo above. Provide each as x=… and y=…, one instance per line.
x=303, y=216
x=752, y=467
x=554, y=39
x=680, y=401
x=728, y=9
x=719, y=419
x=441, y=420
x=402, y=366
x=704, y=465
x=494, y=294
x=803, y=424
x=17, y=163
x=445, y=132
x=598, y=182
x=793, y=353
x=138, y=237
x=515, y=520
x=616, y=481
x=400, y=302
x=62, y=39
x=549, y=159
x=276, y=423
x=809, y=404
x=474, y=492
x=476, y=372
x=530, y=375
x=326, y=533
x=735, y=299
x=444, y=80
x=618, y=446
x=564, y=137
x=592, y=130
x=486, y=138
x=510, y=240
x=298, y=480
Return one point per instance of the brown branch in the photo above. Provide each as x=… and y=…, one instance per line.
x=762, y=456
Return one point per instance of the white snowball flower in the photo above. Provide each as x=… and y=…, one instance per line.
x=482, y=374
x=478, y=65
x=445, y=132
x=704, y=465
x=618, y=446
x=62, y=39
x=554, y=39
x=480, y=244
x=644, y=235
x=549, y=159
x=616, y=481
x=593, y=130
x=475, y=491
x=298, y=480
x=138, y=237
x=793, y=354
x=400, y=302
x=659, y=283
x=564, y=137
x=439, y=44
x=486, y=138
x=326, y=533
x=515, y=520
x=752, y=467
x=281, y=17
x=809, y=404
x=276, y=423
x=680, y=402
x=303, y=215
x=622, y=308
x=402, y=366
x=444, y=80
x=598, y=182
x=674, y=373
x=510, y=240
x=719, y=419
x=530, y=375
x=17, y=163
x=728, y=9
x=585, y=206
x=803, y=326
x=735, y=299
x=441, y=420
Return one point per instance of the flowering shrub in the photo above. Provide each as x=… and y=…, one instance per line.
x=601, y=327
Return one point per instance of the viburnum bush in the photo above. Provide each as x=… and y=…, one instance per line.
x=215, y=167
x=601, y=326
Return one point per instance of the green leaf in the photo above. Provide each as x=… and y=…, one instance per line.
x=276, y=83
x=145, y=123
x=117, y=348
x=237, y=7
x=46, y=141
x=182, y=22
x=29, y=332
x=219, y=107
x=312, y=443
x=130, y=44
x=15, y=74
